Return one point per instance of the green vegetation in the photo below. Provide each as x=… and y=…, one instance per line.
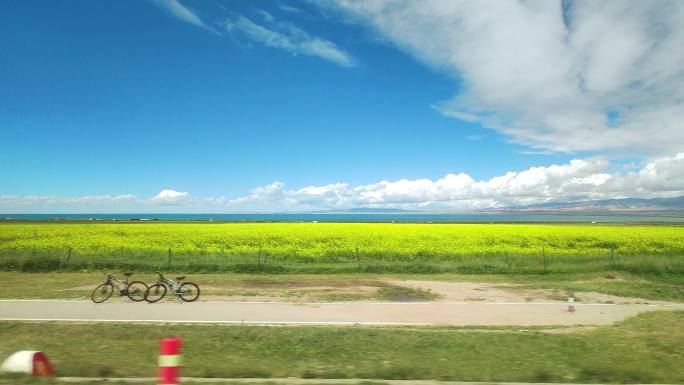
x=346, y=287
x=11, y=379
x=25, y=379
x=344, y=248
x=16, y=379
x=643, y=349
x=310, y=288
x=401, y=293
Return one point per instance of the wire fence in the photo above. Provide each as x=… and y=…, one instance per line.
x=356, y=260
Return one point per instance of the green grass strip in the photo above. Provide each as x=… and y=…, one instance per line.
x=644, y=349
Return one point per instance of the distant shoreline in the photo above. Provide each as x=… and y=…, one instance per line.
x=541, y=216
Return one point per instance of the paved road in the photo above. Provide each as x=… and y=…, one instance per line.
x=341, y=313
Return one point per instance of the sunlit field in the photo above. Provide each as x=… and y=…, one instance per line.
x=340, y=247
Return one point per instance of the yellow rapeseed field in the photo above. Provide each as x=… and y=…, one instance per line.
x=328, y=240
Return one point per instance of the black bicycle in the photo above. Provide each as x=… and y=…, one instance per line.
x=186, y=291
x=134, y=290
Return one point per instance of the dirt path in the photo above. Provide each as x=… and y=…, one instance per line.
x=341, y=313
x=490, y=292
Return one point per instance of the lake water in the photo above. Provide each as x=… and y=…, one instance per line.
x=370, y=218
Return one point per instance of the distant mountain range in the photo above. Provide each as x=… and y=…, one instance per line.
x=603, y=205
x=624, y=204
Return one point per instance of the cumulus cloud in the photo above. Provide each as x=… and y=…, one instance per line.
x=288, y=37
x=556, y=75
x=579, y=179
x=181, y=12
x=163, y=201
x=53, y=199
x=61, y=204
x=171, y=198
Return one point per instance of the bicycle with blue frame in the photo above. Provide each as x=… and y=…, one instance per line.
x=185, y=291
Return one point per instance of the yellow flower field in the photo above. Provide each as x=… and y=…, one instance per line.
x=506, y=245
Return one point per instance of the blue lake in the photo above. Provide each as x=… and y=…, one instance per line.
x=382, y=217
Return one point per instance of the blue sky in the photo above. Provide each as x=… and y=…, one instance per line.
x=251, y=106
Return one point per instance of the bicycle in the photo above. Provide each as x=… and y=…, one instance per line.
x=134, y=290
x=186, y=291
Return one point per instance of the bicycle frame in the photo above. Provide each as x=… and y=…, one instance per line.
x=180, y=288
x=112, y=280
x=174, y=287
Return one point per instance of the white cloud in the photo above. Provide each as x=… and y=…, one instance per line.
x=179, y=11
x=288, y=8
x=556, y=75
x=102, y=199
x=53, y=199
x=578, y=179
x=171, y=198
x=290, y=38
x=266, y=15
x=664, y=176
x=165, y=200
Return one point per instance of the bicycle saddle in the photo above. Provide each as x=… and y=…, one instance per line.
x=127, y=274
x=180, y=278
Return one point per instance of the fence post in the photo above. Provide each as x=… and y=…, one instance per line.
x=358, y=258
x=223, y=257
x=543, y=257
x=168, y=260
x=259, y=258
x=611, y=258
x=66, y=263
x=508, y=261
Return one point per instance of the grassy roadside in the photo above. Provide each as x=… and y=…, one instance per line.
x=338, y=287
x=15, y=285
x=11, y=379
x=644, y=349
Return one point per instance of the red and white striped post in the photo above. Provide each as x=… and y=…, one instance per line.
x=169, y=361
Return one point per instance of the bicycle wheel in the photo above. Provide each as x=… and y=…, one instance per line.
x=102, y=292
x=136, y=291
x=155, y=292
x=189, y=292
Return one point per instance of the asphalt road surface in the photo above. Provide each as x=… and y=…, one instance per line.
x=337, y=313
